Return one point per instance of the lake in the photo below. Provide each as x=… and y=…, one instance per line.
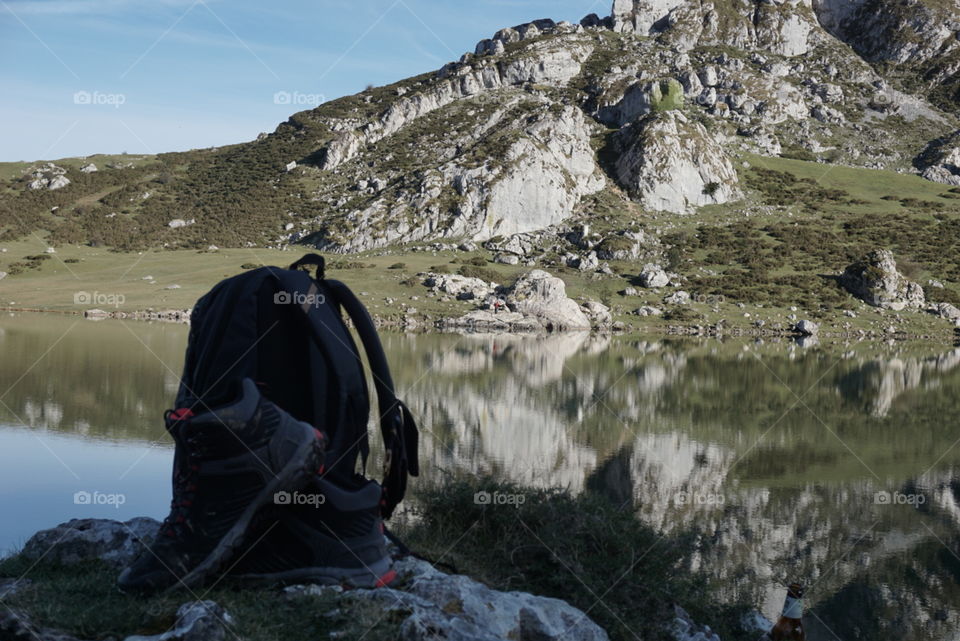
x=839, y=468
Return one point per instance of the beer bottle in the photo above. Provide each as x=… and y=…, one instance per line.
x=790, y=625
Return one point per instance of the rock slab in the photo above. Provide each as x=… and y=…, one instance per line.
x=457, y=608
x=196, y=621
x=115, y=542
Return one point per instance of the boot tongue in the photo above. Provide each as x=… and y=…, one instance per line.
x=236, y=414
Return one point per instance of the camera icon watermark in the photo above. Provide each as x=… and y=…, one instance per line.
x=299, y=498
x=699, y=498
x=298, y=98
x=98, y=98
x=299, y=298
x=899, y=498
x=98, y=298
x=499, y=498
x=83, y=497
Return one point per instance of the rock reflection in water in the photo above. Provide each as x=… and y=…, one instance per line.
x=773, y=455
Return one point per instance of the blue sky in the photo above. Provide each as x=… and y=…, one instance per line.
x=146, y=76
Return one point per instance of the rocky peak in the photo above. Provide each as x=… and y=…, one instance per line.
x=921, y=33
x=785, y=27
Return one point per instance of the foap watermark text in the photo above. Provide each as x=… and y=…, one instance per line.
x=299, y=498
x=898, y=498
x=298, y=98
x=99, y=98
x=698, y=498
x=83, y=497
x=499, y=498
x=98, y=298
x=299, y=298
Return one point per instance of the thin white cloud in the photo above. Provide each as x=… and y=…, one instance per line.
x=81, y=7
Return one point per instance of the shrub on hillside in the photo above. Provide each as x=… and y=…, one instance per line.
x=483, y=273
x=667, y=95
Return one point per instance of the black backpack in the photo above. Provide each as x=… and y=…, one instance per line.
x=285, y=330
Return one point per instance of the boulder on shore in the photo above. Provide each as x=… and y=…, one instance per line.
x=461, y=287
x=481, y=613
x=598, y=313
x=653, y=276
x=115, y=542
x=537, y=301
x=544, y=297
x=807, y=328
x=875, y=280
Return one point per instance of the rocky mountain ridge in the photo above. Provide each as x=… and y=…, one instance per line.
x=656, y=102
x=652, y=71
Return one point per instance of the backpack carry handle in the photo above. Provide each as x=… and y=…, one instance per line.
x=312, y=259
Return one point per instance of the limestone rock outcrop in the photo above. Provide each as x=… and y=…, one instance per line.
x=513, y=174
x=876, y=281
x=544, y=297
x=47, y=176
x=482, y=614
x=786, y=27
x=672, y=164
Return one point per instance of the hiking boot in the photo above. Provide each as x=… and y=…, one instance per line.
x=228, y=463
x=327, y=534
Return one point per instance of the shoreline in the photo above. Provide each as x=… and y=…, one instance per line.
x=444, y=325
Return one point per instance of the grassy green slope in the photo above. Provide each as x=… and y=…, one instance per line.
x=801, y=224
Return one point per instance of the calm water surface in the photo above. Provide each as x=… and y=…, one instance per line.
x=840, y=469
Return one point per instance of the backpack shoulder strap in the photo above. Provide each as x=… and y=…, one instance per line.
x=397, y=427
x=333, y=351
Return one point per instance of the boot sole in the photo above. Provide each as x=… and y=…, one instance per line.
x=295, y=474
x=377, y=575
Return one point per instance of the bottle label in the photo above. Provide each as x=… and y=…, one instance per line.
x=793, y=608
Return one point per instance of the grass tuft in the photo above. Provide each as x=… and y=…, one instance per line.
x=583, y=549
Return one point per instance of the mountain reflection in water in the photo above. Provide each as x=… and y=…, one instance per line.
x=835, y=468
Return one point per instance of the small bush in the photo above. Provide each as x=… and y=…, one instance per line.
x=667, y=95
x=398, y=266
x=440, y=269
x=798, y=153
x=251, y=265
x=347, y=264
x=479, y=261
x=615, y=243
x=682, y=314
x=483, y=273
